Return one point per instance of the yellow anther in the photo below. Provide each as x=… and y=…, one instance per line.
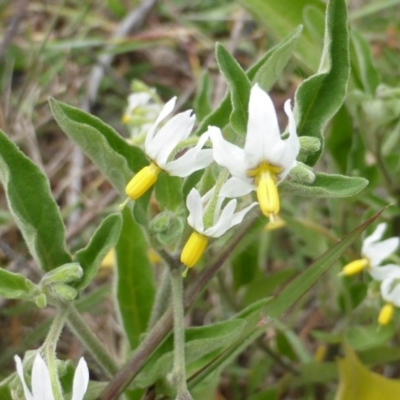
x=194, y=249
x=355, y=267
x=125, y=118
x=268, y=197
x=386, y=314
x=153, y=256
x=142, y=181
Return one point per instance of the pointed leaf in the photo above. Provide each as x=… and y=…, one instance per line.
x=319, y=97
x=114, y=157
x=134, y=281
x=32, y=206
x=14, y=286
x=239, y=86
x=102, y=241
x=270, y=61
x=326, y=186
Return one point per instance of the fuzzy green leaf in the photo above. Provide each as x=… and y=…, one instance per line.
x=202, y=101
x=32, y=206
x=114, y=157
x=319, y=97
x=270, y=71
x=239, y=86
x=134, y=282
x=102, y=241
x=363, y=69
x=326, y=186
x=168, y=191
x=14, y=286
x=220, y=116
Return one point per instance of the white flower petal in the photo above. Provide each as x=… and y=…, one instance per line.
x=165, y=140
x=81, y=380
x=236, y=187
x=389, y=292
x=263, y=135
x=136, y=100
x=193, y=160
x=377, y=252
x=238, y=217
x=167, y=109
x=20, y=372
x=376, y=235
x=292, y=144
x=41, y=382
x=224, y=221
x=380, y=273
x=227, y=154
x=195, y=218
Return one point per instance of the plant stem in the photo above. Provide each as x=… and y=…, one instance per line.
x=161, y=300
x=179, y=369
x=49, y=350
x=91, y=342
x=163, y=326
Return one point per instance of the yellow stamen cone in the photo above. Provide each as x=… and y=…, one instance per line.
x=386, y=314
x=194, y=249
x=125, y=118
x=355, y=267
x=268, y=197
x=142, y=181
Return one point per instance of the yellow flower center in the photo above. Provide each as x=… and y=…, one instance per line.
x=142, y=181
x=386, y=314
x=355, y=267
x=266, y=177
x=125, y=118
x=194, y=249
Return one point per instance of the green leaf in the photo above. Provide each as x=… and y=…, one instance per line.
x=115, y=158
x=319, y=97
x=280, y=18
x=169, y=192
x=239, y=86
x=199, y=342
x=314, y=22
x=102, y=241
x=366, y=337
x=272, y=69
x=220, y=116
x=134, y=281
x=202, y=101
x=363, y=69
x=306, y=279
x=14, y=286
x=32, y=206
x=326, y=186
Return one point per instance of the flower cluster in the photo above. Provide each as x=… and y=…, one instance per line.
x=260, y=166
x=41, y=388
x=374, y=251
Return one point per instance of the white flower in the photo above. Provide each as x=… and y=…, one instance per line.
x=390, y=291
x=265, y=160
x=160, y=144
x=141, y=112
x=41, y=382
x=219, y=222
x=374, y=252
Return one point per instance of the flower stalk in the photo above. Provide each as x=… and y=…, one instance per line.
x=179, y=369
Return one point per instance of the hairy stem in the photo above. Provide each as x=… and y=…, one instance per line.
x=91, y=342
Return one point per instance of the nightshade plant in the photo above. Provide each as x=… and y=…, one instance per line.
x=189, y=180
